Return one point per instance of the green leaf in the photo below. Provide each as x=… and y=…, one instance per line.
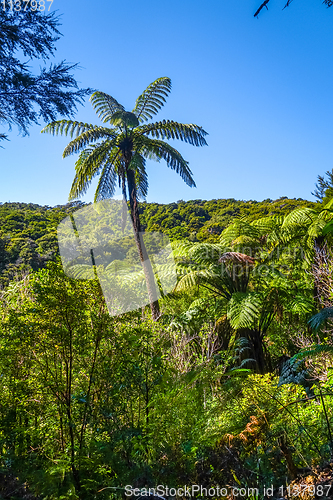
x=318, y=319
x=121, y=118
x=243, y=309
x=152, y=99
x=105, y=105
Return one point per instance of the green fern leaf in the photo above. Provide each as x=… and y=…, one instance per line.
x=320, y=318
x=152, y=99
x=316, y=350
x=167, y=129
x=91, y=161
x=66, y=127
x=300, y=216
x=163, y=151
x=105, y=105
x=86, y=138
x=121, y=118
x=243, y=309
x=238, y=229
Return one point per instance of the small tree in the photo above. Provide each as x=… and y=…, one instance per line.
x=324, y=187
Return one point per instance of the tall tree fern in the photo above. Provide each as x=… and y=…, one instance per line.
x=117, y=151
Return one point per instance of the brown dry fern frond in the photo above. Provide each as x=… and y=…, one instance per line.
x=237, y=257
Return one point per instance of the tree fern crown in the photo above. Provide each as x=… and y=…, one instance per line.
x=124, y=142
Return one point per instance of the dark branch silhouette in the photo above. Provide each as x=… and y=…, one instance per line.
x=328, y=3
x=264, y=4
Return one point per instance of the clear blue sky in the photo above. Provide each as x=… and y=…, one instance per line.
x=261, y=88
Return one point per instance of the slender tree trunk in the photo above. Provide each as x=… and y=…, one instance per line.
x=256, y=351
x=146, y=264
x=292, y=469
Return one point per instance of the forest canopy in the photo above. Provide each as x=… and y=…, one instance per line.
x=28, y=232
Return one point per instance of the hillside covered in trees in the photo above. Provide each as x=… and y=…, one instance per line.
x=28, y=232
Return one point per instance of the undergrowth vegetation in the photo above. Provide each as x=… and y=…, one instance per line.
x=231, y=387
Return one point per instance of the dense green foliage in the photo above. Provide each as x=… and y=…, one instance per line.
x=201, y=220
x=28, y=237
x=28, y=232
x=232, y=387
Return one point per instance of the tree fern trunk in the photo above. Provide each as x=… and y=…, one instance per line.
x=146, y=264
x=256, y=351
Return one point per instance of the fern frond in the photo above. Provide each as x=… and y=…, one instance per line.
x=107, y=182
x=105, y=105
x=300, y=216
x=205, y=252
x=163, y=151
x=328, y=228
x=316, y=228
x=67, y=127
x=124, y=118
x=242, y=344
x=300, y=304
x=89, y=164
x=269, y=228
x=243, y=309
x=167, y=129
x=152, y=99
x=81, y=182
x=80, y=272
x=187, y=281
x=320, y=318
x=237, y=229
x=86, y=138
x=201, y=260
x=138, y=164
x=295, y=372
x=181, y=248
x=316, y=350
x=268, y=223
